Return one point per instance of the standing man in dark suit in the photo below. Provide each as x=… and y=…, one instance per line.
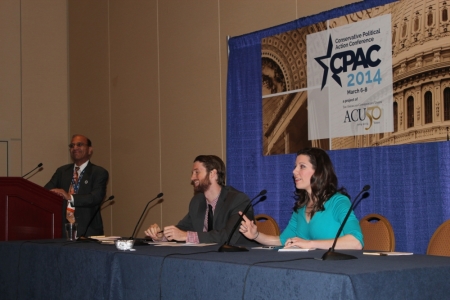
x=83, y=187
x=213, y=211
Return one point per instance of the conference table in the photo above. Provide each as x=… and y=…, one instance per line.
x=57, y=269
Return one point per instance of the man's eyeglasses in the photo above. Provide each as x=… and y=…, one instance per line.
x=79, y=145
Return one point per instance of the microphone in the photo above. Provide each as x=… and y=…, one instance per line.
x=330, y=254
x=83, y=237
x=229, y=248
x=158, y=196
x=38, y=166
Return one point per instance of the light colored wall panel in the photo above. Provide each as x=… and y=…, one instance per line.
x=10, y=85
x=308, y=8
x=191, y=104
x=15, y=156
x=45, y=115
x=135, y=114
x=239, y=17
x=89, y=75
x=3, y=158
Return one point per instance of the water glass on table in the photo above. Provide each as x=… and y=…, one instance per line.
x=71, y=231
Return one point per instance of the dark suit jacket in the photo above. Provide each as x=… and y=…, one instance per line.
x=226, y=215
x=90, y=195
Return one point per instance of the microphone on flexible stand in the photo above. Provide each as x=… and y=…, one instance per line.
x=330, y=254
x=38, y=166
x=229, y=248
x=135, y=228
x=83, y=237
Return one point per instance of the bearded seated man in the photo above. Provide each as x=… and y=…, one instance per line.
x=213, y=211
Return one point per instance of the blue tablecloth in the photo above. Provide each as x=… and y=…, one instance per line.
x=60, y=270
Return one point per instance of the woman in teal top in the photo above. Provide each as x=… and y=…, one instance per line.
x=319, y=209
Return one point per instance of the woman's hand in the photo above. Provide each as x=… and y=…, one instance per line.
x=297, y=242
x=344, y=242
x=248, y=228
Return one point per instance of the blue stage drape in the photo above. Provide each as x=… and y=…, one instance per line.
x=410, y=183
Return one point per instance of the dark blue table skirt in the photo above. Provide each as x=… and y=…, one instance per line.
x=59, y=270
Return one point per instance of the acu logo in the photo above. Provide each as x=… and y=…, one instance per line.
x=359, y=114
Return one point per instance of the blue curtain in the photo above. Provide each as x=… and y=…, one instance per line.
x=410, y=183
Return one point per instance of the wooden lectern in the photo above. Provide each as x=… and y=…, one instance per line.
x=28, y=211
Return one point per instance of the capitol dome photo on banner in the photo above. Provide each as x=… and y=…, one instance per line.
x=371, y=78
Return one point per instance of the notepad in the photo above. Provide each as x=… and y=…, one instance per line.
x=105, y=238
x=294, y=249
x=388, y=253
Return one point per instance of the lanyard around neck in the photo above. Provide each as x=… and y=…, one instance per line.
x=76, y=185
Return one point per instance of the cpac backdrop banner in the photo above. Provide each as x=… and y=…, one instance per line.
x=410, y=179
x=350, y=76
x=370, y=78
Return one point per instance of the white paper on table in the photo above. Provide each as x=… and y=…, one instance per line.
x=174, y=244
x=295, y=249
x=388, y=253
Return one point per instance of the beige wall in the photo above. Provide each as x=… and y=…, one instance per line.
x=144, y=79
x=34, y=111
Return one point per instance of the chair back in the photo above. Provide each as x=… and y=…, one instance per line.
x=440, y=241
x=378, y=233
x=267, y=225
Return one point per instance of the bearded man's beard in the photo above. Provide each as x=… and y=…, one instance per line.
x=203, y=185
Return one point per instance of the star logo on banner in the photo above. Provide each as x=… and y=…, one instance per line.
x=325, y=67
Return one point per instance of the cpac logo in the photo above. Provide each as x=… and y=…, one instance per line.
x=347, y=59
x=359, y=114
